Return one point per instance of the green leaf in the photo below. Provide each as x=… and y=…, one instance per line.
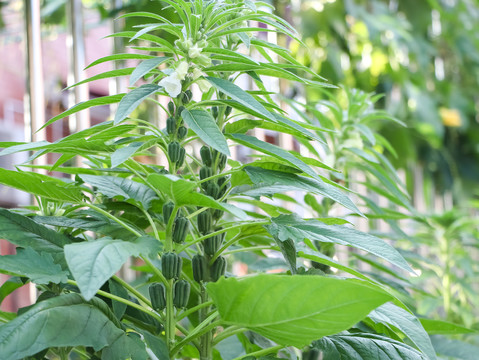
x=92, y=263
x=104, y=100
x=183, y=192
x=127, y=346
x=365, y=347
x=40, y=268
x=288, y=250
x=9, y=286
x=407, y=323
x=238, y=94
x=269, y=182
x=440, y=327
x=24, y=232
x=104, y=75
x=123, y=188
x=294, y=310
x=6, y=316
x=117, y=57
x=41, y=185
x=273, y=150
x=455, y=349
x=145, y=67
x=131, y=100
x=65, y=320
x=290, y=226
x=204, y=125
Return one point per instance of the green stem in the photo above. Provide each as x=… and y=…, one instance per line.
x=156, y=271
x=232, y=171
x=252, y=248
x=261, y=352
x=170, y=317
x=132, y=290
x=152, y=224
x=232, y=330
x=123, y=301
x=201, y=238
x=114, y=218
x=193, y=309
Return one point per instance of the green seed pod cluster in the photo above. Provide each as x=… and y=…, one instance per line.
x=205, y=154
x=180, y=229
x=218, y=268
x=157, y=296
x=167, y=211
x=171, y=125
x=171, y=265
x=200, y=268
x=182, y=132
x=213, y=243
x=205, y=222
x=214, y=112
x=181, y=294
x=213, y=190
x=174, y=149
x=171, y=107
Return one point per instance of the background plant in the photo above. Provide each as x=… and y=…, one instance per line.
x=182, y=219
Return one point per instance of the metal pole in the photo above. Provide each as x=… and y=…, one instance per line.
x=34, y=96
x=77, y=56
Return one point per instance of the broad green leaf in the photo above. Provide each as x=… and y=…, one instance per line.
x=24, y=232
x=92, y=263
x=40, y=268
x=294, y=310
x=440, y=327
x=238, y=94
x=365, y=347
x=145, y=67
x=268, y=182
x=127, y=346
x=183, y=192
x=273, y=150
x=124, y=188
x=131, y=100
x=65, y=320
x=36, y=184
x=455, y=349
x=408, y=324
x=290, y=226
x=104, y=100
x=204, y=125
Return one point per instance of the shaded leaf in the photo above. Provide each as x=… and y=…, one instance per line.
x=290, y=226
x=40, y=268
x=365, y=347
x=407, y=323
x=113, y=187
x=272, y=182
x=65, y=320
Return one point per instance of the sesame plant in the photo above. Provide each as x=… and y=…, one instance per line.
x=186, y=222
